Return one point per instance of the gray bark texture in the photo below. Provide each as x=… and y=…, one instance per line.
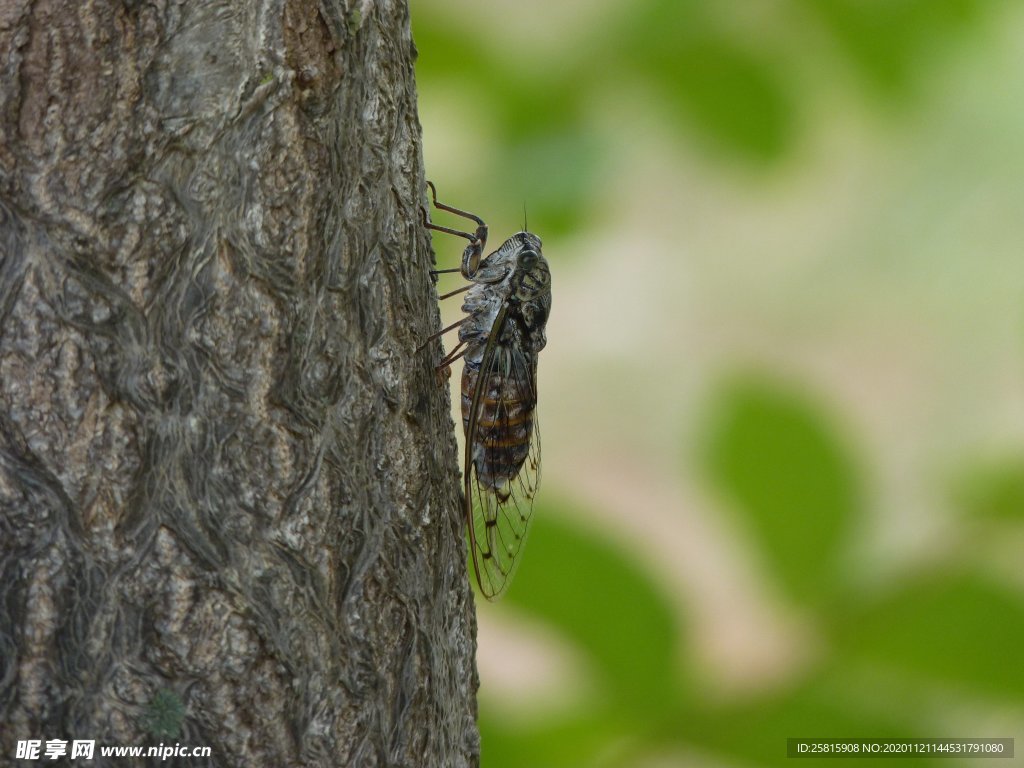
x=228, y=483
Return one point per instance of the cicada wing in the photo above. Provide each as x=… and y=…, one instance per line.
x=499, y=495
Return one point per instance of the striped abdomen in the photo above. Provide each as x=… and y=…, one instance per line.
x=503, y=427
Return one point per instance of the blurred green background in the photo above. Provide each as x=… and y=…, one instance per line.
x=783, y=396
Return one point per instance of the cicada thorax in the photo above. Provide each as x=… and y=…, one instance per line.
x=501, y=425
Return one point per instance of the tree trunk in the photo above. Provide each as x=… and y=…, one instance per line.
x=228, y=487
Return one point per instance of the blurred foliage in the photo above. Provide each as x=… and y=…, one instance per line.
x=958, y=629
x=741, y=81
x=887, y=41
x=796, y=489
x=789, y=476
x=741, y=93
x=728, y=91
x=602, y=588
x=994, y=490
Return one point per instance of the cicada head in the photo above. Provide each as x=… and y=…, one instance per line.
x=531, y=288
x=531, y=277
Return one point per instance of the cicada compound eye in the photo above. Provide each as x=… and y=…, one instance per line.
x=471, y=259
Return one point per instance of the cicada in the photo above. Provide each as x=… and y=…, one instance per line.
x=508, y=299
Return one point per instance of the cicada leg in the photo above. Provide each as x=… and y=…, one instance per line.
x=477, y=241
x=456, y=292
x=443, y=368
x=471, y=258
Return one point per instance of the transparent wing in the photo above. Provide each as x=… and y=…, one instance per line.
x=499, y=490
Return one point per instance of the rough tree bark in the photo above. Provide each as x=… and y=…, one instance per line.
x=228, y=489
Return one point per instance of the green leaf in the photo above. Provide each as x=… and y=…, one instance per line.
x=887, y=40
x=781, y=463
x=994, y=491
x=566, y=742
x=585, y=587
x=446, y=51
x=545, y=155
x=959, y=629
x=755, y=732
x=733, y=94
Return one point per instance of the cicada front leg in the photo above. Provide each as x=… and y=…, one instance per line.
x=473, y=253
x=471, y=258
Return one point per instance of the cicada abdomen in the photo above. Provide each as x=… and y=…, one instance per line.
x=504, y=422
x=507, y=304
